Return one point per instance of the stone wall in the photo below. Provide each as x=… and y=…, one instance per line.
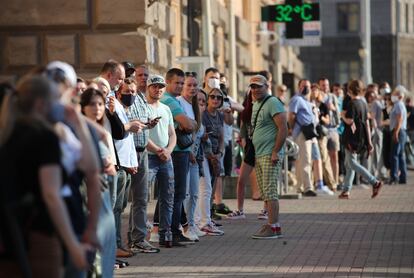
x=84, y=33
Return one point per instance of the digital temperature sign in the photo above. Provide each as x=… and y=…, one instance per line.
x=289, y=13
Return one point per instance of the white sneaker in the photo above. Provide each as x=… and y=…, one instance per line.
x=197, y=231
x=155, y=237
x=212, y=230
x=324, y=190
x=263, y=215
x=190, y=235
x=237, y=214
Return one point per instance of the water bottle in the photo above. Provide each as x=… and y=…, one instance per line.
x=168, y=238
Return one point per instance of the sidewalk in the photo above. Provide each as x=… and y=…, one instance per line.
x=323, y=237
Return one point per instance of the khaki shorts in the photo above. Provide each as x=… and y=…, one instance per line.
x=267, y=176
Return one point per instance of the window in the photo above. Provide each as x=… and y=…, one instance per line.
x=346, y=70
x=348, y=17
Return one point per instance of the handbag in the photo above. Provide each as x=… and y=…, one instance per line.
x=184, y=139
x=309, y=131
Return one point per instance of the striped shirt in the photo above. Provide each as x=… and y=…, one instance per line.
x=141, y=111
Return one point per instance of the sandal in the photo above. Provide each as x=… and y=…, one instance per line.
x=344, y=195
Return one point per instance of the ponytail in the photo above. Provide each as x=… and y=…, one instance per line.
x=196, y=109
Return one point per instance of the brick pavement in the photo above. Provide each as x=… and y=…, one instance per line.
x=323, y=237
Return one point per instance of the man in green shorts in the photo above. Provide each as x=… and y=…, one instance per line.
x=269, y=134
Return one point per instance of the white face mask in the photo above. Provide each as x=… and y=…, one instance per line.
x=394, y=99
x=214, y=83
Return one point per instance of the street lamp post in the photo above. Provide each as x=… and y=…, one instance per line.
x=365, y=52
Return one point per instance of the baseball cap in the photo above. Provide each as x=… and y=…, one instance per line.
x=258, y=80
x=156, y=79
x=129, y=68
x=67, y=70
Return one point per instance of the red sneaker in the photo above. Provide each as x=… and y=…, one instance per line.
x=376, y=189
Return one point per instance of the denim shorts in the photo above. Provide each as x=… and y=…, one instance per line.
x=316, y=154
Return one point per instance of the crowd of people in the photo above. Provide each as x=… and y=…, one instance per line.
x=75, y=151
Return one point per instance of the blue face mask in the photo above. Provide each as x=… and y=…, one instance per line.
x=128, y=99
x=56, y=112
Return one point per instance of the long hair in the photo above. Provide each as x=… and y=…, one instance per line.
x=246, y=115
x=86, y=99
x=196, y=109
x=355, y=87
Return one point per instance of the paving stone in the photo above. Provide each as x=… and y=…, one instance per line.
x=323, y=237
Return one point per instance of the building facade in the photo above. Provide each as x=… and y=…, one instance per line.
x=158, y=33
x=340, y=56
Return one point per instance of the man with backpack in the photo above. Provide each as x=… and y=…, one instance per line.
x=357, y=138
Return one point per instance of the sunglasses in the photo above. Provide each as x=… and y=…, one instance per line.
x=254, y=86
x=215, y=97
x=191, y=74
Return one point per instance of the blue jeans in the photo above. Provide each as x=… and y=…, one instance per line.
x=123, y=184
x=352, y=165
x=181, y=162
x=398, y=162
x=106, y=235
x=164, y=173
x=190, y=202
x=112, y=183
x=139, y=191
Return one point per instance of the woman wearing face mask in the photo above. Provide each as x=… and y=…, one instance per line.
x=398, y=127
x=44, y=221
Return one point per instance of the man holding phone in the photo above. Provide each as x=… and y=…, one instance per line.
x=161, y=143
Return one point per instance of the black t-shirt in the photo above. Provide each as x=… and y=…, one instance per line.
x=345, y=103
x=357, y=109
x=323, y=111
x=31, y=146
x=410, y=119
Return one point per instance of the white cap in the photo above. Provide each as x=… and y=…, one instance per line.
x=67, y=69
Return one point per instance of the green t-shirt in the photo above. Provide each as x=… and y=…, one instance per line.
x=265, y=131
x=176, y=109
x=159, y=134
